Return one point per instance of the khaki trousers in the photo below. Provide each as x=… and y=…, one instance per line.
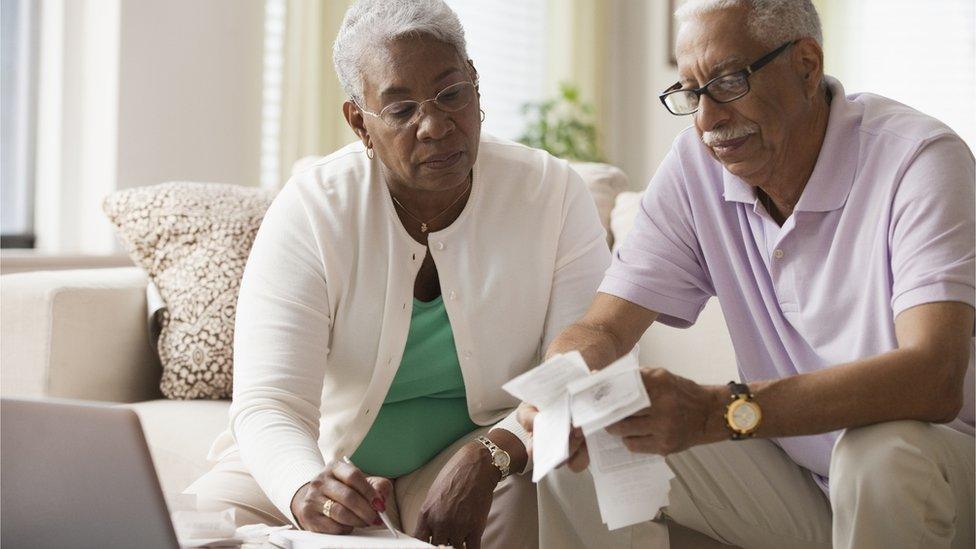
x=892, y=485
x=512, y=520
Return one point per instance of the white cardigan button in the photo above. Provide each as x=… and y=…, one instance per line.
x=452, y=295
x=439, y=245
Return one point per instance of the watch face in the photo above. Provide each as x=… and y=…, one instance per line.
x=501, y=458
x=744, y=415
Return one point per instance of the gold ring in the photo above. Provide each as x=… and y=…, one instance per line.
x=327, y=508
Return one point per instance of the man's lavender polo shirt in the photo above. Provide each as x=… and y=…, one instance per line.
x=885, y=223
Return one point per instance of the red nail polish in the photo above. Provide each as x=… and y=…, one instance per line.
x=379, y=505
x=377, y=522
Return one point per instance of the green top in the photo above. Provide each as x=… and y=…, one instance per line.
x=426, y=409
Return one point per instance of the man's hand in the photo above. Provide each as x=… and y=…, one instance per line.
x=456, y=509
x=578, y=457
x=682, y=414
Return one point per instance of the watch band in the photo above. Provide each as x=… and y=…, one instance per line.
x=494, y=450
x=739, y=389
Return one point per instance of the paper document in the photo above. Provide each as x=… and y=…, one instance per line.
x=379, y=538
x=630, y=487
x=551, y=440
x=607, y=396
x=545, y=388
x=547, y=382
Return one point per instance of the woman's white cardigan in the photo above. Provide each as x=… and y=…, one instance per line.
x=326, y=300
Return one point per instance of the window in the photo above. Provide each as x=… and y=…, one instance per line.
x=921, y=54
x=507, y=41
x=18, y=125
x=272, y=77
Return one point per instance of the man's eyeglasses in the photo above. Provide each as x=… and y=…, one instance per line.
x=402, y=114
x=722, y=89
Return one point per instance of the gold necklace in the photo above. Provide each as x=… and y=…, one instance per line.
x=423, y=224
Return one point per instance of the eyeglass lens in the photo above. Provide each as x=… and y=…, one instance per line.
x=724, y=89
x=451, y=99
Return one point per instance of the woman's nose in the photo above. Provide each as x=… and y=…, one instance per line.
x=434, y=123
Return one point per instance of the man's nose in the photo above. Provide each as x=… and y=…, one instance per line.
x=710, y=114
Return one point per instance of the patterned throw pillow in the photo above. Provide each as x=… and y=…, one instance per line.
x=193, y=240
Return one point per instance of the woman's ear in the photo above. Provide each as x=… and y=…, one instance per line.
x=473, y=72
x=356, y=120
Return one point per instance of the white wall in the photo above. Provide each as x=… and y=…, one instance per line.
x=190, y=91
x=640, y=129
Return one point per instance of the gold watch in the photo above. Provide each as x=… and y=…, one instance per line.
x=742, y=414
x=499, y=457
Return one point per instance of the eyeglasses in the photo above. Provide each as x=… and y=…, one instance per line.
x=722, y=89
x=402, y=114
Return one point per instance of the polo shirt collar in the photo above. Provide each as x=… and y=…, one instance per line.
x=833, y=175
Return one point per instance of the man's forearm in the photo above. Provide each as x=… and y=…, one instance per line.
x=902, y=384
x=598, y=346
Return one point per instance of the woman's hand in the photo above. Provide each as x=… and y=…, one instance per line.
x=456, y=509
x=356, y=497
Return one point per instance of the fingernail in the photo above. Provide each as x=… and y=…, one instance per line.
x=377, y=522
x=379, y=505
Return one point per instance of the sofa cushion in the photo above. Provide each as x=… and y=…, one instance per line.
x=193, y=240
x=604, y=182
x=179, y=434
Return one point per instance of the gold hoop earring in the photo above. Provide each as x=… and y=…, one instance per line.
x=370, y=153
x=482, y=114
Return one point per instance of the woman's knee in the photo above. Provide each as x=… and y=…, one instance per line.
x=219, y=490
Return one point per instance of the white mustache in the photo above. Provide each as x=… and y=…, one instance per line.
x=719, y=135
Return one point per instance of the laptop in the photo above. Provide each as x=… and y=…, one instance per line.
x=76, y=474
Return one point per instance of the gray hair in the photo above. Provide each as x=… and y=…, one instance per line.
x=771, y=22
x=369, y=23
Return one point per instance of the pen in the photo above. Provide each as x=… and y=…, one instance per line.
x=382, y=514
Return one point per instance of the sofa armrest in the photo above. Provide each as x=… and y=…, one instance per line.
x=77, y=334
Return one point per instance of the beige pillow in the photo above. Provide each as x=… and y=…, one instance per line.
x=604, y=182
x=193, y=240
x=623, y=215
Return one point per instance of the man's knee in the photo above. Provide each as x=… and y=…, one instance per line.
x=884, y=451
x=563, y=484
x=518, y=493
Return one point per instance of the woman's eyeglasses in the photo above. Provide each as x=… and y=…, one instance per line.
x=402, y=114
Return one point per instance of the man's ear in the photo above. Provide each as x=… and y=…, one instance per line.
x=356, y=120
x=808, y=58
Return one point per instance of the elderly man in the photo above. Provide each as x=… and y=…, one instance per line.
x=837, y=232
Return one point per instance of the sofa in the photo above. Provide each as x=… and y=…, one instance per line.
x=84, y=334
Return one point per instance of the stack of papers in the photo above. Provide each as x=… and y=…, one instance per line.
x=301, y=539
x=630, y=487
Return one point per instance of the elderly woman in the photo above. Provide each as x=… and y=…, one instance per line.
x=392, y=289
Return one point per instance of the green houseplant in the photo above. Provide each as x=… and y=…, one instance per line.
x=564, y=126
